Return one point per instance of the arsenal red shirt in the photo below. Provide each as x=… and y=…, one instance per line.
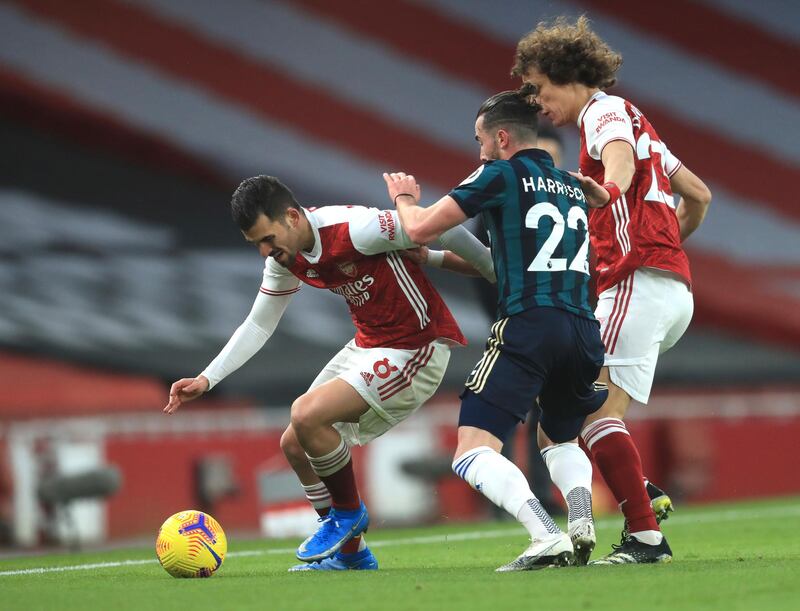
x=641, y=228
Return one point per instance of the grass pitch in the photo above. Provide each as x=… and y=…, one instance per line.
x=731, y=556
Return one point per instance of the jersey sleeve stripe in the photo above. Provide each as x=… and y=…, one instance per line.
x=410, y=290
x=628, y=140
x=675, y=169
x=267, y=291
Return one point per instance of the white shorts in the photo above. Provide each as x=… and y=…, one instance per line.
x=641, y=317
x=394, y=383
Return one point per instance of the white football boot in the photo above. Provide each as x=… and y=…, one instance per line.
x=581, y=533
x=555, y=550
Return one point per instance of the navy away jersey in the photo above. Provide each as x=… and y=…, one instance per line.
x=536, y=216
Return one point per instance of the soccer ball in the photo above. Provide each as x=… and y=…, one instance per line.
x=191, y=544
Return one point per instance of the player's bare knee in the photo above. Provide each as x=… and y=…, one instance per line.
x=303, y=414
x=470, y=438
x=291, y=447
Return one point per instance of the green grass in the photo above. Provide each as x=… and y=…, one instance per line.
x=731, y=556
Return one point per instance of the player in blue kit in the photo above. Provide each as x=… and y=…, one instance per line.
x=546, y=342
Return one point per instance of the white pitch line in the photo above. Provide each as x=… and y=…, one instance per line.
x=716, y=516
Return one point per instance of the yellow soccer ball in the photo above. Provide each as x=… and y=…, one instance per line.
x=191, y=544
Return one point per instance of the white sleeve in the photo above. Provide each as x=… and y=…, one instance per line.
x=605, y=121
x=374, y=231
x=671, y=163
x=468, y=247
x=276, y=291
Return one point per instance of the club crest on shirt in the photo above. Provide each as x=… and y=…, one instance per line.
x=348, y=269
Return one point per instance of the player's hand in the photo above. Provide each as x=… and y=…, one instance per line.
x=185, y=389
x=400, y=183
x=596, y=194
x=417, y=255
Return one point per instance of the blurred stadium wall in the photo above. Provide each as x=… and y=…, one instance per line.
x=127, y=124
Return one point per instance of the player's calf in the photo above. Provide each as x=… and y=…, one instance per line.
x=571, y=471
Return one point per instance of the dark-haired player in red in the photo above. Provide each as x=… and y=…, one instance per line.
x=394, y=364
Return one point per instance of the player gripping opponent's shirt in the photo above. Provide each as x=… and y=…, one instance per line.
x=545, y=344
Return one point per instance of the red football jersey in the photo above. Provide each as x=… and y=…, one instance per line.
x=392, y=302
x=641, y=228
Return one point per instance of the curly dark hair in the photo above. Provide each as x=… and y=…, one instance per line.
x=567, y=52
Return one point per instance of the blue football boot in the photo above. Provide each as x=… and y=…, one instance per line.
x=337, y=528
x=358, y=561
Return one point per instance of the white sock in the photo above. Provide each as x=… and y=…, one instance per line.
x=651, y=537
x=500, y=481
x=571, y=471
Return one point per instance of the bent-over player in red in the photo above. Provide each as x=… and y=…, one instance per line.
x=394, y=363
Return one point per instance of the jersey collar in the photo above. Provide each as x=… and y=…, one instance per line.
x=539, y=155
x=597, y=96
x=316, y=252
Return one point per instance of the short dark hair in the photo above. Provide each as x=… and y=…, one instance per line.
x=514, y=110
x=261, y=195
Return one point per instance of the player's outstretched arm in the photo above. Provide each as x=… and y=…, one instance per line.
x=453, y=263
x=619, y=165
x=443, y=259
x=596, y=194
x=184, y=390
x=422, y=225
x=248, y=339
x=694, y=202
x=467, y=248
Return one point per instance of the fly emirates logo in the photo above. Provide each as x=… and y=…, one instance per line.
x=356, y=292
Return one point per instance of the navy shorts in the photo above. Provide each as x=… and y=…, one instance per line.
x=544, y=352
